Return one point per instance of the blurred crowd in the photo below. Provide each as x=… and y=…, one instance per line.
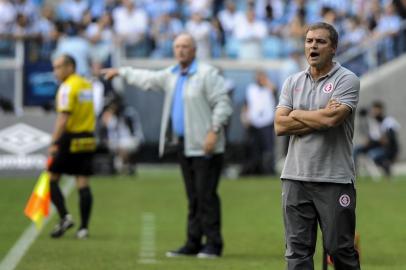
x=245, y=29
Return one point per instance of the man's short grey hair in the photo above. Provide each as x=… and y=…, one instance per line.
x=332, y=31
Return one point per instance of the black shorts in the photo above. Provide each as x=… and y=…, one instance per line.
x=75, y=154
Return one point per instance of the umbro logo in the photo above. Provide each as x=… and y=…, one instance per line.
x=22, y=139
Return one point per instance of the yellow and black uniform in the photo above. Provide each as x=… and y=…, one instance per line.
x=77, y=144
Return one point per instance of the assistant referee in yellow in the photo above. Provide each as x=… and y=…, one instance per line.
x=73, y=143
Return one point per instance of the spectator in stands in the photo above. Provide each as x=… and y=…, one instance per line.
x=387, y=28
x=373, y=13
x=196, y=107
x=250, y=33
x=354, y=33
x=202, y=7
x=121, y=132
x=110, y=5
x=200, y=30
x=359, y=8
x=257, y=116
x=164, y=30
x=273, y=14
x=156, y=8
x=72, y=10
x=381, y=145
x=228, y=18
x=341, y=7
x=98, y=7
x=100, y=34
x=28, y=9
x=47, y=31
x=294, y=32
x=270, y=9
x=131, y=26
x=73, y=42
x=8, y=16
x=401, y=11
x=330, y=16
x=86, y=19
x=217, y=5
x=217, y=38
x=24, y=29
x=7, y=20
x=296, y=7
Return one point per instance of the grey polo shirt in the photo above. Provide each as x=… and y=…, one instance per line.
x=321, y=156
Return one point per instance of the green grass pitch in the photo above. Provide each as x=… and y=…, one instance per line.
x=252, y=225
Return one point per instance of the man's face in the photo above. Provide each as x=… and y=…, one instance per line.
x=319, y=50
x=376, y=112
x=61, y=69
x=261, y=78
x=184, y=49
x=129, y=4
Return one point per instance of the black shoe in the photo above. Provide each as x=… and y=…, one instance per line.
x=209, y=252
x=60, y=228
x=183, y=251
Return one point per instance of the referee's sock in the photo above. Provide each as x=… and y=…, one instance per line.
x=85, y=204
x=58, y=200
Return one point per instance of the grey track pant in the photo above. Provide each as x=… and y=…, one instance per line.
x=306, y=204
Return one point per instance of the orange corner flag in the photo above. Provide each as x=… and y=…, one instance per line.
x=38, y=205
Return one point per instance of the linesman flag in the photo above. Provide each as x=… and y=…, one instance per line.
x=38, y=205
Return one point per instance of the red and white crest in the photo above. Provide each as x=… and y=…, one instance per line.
x=328, y=88
x=344, y=200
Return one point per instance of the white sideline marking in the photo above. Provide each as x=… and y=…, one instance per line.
x=147, y=246
x=17, y=252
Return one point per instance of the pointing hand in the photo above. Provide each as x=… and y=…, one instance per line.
x=109, y=73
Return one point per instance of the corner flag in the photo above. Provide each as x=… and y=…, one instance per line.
x=38, y=205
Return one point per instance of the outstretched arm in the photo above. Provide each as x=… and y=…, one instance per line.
x=285, y=124
x=141, y=78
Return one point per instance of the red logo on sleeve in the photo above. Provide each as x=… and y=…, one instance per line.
x=328, y=88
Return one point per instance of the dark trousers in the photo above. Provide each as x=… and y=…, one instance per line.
x=201, y=176
x=260, y=151
x=305, y=204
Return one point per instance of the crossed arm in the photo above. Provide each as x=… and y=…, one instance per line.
x=300, y=122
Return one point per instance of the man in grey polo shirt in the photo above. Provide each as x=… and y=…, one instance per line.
x=317, y=109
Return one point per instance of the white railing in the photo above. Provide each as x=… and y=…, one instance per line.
x=368, y=50
x=16, y=64
x=223, y=63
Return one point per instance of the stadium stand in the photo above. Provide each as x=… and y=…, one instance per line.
x=372, y=33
